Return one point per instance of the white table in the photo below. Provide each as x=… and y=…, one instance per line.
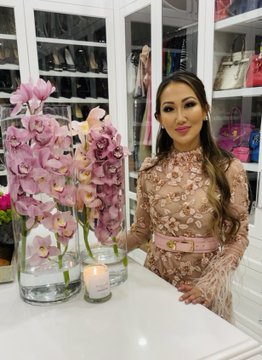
x=142, y=321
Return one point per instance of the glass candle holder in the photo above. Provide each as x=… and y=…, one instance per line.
x=97, y=284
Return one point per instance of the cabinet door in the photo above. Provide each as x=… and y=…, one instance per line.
x=12, y=46
x=70, y=47
x=137, y=86
x=160, y=37
x=236, y=105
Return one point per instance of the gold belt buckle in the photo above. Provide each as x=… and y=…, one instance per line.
x=171, y=244
x=192, y=244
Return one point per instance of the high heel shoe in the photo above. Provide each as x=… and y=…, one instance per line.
x=92, y=62
x=82, y=88
x=57, y=63
x=70, y=65
x=81, y=60
x=66, y=87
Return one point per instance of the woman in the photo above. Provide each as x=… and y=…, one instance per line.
x=192, y=200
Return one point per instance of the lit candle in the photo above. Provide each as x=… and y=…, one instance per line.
x=97, y=285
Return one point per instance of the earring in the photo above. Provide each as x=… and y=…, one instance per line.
x=162, y=127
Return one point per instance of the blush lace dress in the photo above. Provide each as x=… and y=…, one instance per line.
x=172, y=200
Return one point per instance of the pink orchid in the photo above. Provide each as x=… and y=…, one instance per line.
x=15, y=138
x=20, y=166
x=63, y=224
x=43, y=89
x=42, y=250
x=21, y=96
x=86, y=194
x=93, y=121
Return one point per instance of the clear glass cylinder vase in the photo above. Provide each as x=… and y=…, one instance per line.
x=102, y=224
x=39, y=160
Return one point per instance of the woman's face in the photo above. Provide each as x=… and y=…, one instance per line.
x=181, y=115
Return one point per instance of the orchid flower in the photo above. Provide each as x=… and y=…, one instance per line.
x=42, y=249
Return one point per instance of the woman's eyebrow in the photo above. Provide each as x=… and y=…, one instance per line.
x=183, y=100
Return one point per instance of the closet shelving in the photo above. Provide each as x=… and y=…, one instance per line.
x=74, y=59
x=247, y=298
x=9, y=68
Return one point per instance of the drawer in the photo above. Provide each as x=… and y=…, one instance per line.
x=248, y=313
x=248, y=282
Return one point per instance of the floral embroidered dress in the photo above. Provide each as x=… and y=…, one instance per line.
x=172, y=200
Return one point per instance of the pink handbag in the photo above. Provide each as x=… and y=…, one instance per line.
x=242, y=153
x=254, y=72
x=235, y=133
x=221, y=9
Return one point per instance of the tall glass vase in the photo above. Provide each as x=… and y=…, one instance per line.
x=39, y=159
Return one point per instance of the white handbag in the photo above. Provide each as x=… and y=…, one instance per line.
x=233, y=68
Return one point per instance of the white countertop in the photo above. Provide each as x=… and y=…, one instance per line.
x=142, y=321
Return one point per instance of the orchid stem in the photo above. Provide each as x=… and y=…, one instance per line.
x=115, y=247
x=85, y=233
x=23, y=245
x=60, y=265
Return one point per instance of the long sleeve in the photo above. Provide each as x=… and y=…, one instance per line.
x=216, y=280
x=141, y=229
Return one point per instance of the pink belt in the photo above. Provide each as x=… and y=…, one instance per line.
x=186, y=244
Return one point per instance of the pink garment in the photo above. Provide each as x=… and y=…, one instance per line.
x=172, y=200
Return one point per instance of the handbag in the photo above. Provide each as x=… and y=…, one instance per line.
x=234, y=133
x=254, y=72
x=254, y=142
x=241, y=6
x=242, y=153
x=221, y=9
x=232, y=70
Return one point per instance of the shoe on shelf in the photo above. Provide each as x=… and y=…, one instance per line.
x=82, y=88
x=49, y=61
x=102, y=88
x=66, y=87
x=57, y=64
x=77, y=113
x=81, y=60
x=70, y=65
x=93, y=66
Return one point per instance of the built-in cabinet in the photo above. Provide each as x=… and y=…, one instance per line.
x=72, y=46
x=241, y=31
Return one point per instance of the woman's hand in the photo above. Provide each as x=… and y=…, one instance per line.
x=192, y=294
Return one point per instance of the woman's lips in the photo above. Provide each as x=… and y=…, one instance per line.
x=182, y=129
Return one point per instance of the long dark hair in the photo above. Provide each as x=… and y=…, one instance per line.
x=215, y=160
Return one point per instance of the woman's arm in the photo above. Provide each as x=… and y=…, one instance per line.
x=140, y=231
x=216, y=280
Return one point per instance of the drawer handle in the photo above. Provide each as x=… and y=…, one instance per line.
x=260, y=320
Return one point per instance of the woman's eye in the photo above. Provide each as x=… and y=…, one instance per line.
x=167, y=109
x=190, y=104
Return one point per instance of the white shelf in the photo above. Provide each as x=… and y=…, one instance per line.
x=3, y=173
x=4, y=95
x=73, y=74
x=133, y=174
x=243, y=19
x=244, y=92
x=76, y=100
x=70, y=42
x=7, y=37
x=9, y=67
x=250, y=167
